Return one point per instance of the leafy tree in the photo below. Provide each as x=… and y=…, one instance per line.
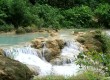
x=78, y=17
x=51, y=16
x=102, y=13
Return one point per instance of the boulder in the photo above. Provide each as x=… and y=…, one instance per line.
x=34, y=69
x=51, y=44
x=61, y=60
x=53, y=34
x=90, y=41
x=92, y=47
x=81, y=40
x=13, y=70
x=1, y=52
x=52, y=47
x=61, y=43
x=51, y=53
x=38, y=42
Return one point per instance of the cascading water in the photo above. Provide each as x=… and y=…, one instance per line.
x=43, y=51
x=29, y=56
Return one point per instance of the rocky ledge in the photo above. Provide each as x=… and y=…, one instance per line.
x=52, y=47
x=13, y=70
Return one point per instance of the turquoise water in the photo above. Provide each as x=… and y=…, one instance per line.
x=12, y=39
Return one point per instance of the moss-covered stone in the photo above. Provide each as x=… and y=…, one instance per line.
x=1, y=52
x=90, y=41
x=13, y=70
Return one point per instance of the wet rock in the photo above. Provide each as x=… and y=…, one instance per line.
x=61, y=60
x=13, y=70
x=53, y=47
x=92, y=47
x=38, y=42
x=81, y=33
x=61, y=43
x=51, y=53
x=90, y=41
x=34, y=69
x=51, y=44
x=81, y=40
x=1, y=52
x=53, y=34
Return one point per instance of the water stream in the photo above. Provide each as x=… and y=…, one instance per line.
x=30, y=56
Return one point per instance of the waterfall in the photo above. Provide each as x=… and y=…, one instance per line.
x=30, y=56
x=43, y=51
x=71, y=50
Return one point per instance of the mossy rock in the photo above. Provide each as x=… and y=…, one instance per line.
x=20, y=30
x=90, y=41
x=13, y=70
x=81, y=40
x=1, y=52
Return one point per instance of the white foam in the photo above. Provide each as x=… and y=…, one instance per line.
x=28, y=55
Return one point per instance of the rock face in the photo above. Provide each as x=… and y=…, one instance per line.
x=13, y=70
x=52, y=47
x=90, y=41
x=38, y=42
x=1, y=52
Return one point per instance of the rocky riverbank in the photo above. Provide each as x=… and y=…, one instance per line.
x=13, y=70
x=55, y=49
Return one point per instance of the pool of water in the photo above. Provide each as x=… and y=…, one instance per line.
x=13, y=39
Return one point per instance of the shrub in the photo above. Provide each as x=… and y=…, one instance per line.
x=30, y=29
x=102, y=13
x=49, y=16
x=78, y=17
x=99, y=62
x=104, y=39
x=17, y=12
x=86, y=75
x=20, y=30
x=66, y=4
x=6, y=28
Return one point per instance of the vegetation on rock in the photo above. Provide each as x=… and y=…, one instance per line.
x=13, y=70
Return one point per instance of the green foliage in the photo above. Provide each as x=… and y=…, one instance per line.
x=50, y=16
x=6, y=28
x=4, y=10
x=56, y=14
x=16, y=12
x=102, y=13
x=78, y=17
x=98, y=61
x=20, y=30
x=65, y=4
x=105, y=40
x=86, y=75
x=30, y=29
x=19, y=13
